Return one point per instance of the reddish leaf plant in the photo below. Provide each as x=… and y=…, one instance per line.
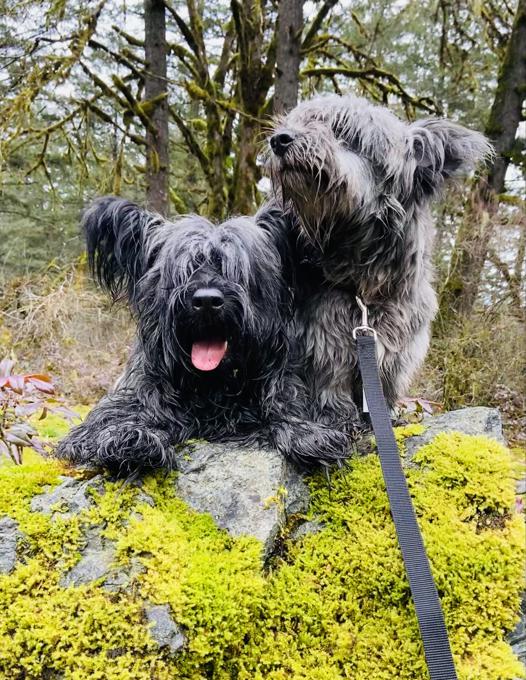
x=21, y=396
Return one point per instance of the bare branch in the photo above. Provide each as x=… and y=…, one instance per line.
x=512, y=282
x=317, y=22
x=108, y=91
x=140, y=141
x=226, y=58
x=41, y=156
x=184, y=28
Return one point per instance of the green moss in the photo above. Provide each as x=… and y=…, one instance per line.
x=338, y=607
x=81, y=632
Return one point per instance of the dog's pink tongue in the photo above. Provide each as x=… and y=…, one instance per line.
x=207, y=355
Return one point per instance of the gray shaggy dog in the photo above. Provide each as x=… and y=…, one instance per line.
x=213, y=357
x=355, y=185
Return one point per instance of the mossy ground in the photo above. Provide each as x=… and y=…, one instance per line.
x=336, y=606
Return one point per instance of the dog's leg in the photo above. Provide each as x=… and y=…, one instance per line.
x=310, y=444
x=331, y=360
x=293, y=432
x=123, y=436
x=397, y=367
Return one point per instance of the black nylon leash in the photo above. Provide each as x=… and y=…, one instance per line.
x=425, y=596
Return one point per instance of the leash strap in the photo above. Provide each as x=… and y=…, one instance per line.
x=425, y=596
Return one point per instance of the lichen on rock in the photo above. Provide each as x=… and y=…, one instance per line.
x=336, y=604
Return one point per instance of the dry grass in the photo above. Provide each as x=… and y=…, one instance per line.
x=57, y=323
x=481, y=361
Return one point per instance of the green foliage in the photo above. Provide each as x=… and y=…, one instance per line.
x=337, y=605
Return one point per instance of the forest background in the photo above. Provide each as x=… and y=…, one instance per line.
x=168, y=102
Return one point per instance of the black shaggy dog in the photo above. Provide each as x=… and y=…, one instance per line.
x=213, y=357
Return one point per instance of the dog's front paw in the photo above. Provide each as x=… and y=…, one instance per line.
x=121, y=448
x=78, y=447
x=126, y=449
x=312, y=444
x=340, y=416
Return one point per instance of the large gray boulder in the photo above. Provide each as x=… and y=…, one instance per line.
x=476, y=420
x=68, y=498
x=247, y=491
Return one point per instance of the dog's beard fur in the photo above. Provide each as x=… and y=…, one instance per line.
x=356, y=182
x=223, y=370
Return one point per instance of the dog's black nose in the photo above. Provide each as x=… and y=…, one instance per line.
x=280, y=142
x=207, y=298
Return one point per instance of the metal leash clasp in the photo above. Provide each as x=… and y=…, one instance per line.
x=364, y=327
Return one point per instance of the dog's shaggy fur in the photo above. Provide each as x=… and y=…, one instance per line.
x=356, y=184
x=197, y=289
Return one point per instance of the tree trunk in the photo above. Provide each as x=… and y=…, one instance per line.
x=288, y=55
x=155, y=90
x=246, y=171
x=471, y=247
x=256, y=73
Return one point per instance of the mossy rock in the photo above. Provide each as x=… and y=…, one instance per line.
x=333, y=604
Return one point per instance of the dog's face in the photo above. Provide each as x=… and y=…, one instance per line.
x=213, y=299
x=334, y=157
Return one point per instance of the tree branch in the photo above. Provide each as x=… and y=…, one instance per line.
x=317, y=22
x=368, y=74
x=226, y=58
x=186, y=58
x=184, y=28
x=191, y=141
x=120, y=58
x=511, y=280
x=106, y=89
x=140, y=141
x=132, y=40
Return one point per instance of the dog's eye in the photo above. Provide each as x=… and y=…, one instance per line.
x=199, y=259
x=216, y=260
x=349, y=138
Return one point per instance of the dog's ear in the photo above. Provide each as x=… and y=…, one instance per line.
x=444, y=150
x=118, y=235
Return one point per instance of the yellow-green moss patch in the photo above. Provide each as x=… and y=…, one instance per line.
x=337, y=607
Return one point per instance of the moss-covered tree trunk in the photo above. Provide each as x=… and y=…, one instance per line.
x=256, y=75
x=471, y=247
x=216, y=170
x=247, y=173
x=155, y=90
x=288, y=54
